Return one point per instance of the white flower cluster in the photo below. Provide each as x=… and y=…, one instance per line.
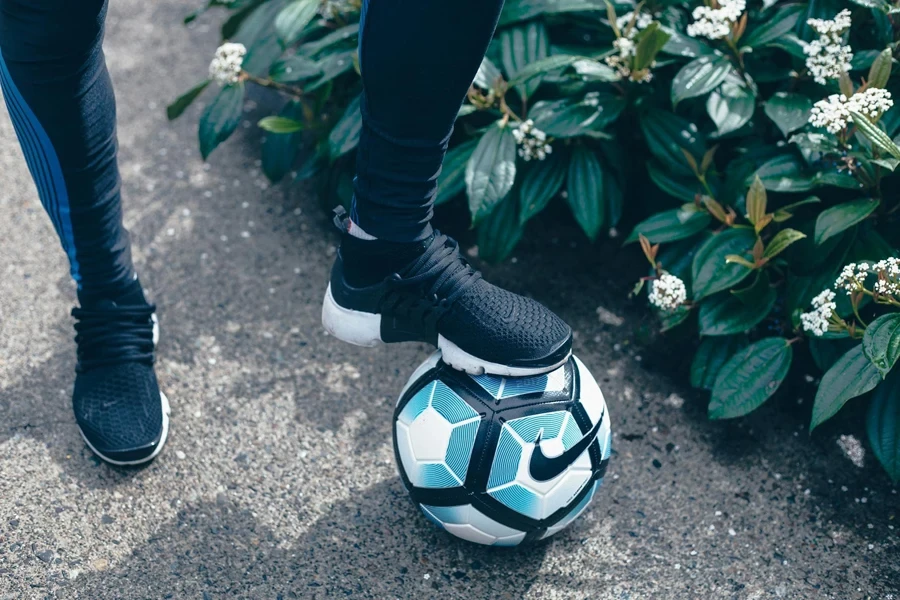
x=625, y=46
x=716, y=23
x=225, y=67
x=332, y=9
x=816, y=321
x=833, y=113
x=828, y=57
x=888, y=272
x=852, y=278
x=667, y=292
x=642, y=21
x=532, y=140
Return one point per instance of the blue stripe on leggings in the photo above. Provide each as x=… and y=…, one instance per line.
x=27, y=137
x=43, y=164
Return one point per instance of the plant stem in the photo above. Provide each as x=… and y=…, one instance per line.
x=290, y=90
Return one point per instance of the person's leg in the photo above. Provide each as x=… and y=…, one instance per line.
x=60, y=98
x=395, y=279
x=418, y=59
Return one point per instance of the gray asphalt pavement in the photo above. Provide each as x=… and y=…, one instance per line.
x=279, y=481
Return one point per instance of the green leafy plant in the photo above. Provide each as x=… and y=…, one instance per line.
x=761, y=150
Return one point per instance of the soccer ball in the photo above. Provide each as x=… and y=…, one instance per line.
x=501, y=460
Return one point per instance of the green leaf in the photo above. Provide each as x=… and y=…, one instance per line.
x=584, y=184
x=836, y=219
x=540, y=183
x=522, y=10
x=825, y=352
x=782, y=240
x=680, y=44
x=649, y=42
x=345, y=35
x=775, y=26
x=280, y=124
x=756, y=201
x=685, y=189
x=711, y=356
x=700, y=76
x=785, y=174
x=589, y=70
x=789, y=111
x=726, y=314
x=332, y=66
x=731, y=106
x=280, y=147
x=344, y=136
x=221, y=118
x=786, y=212
x=521, y=46
x=499, y=232
x=452, y=180
x=668, y=135
x=851, y=376
x=174, y=110
x=491, y=170
x=881, y=342
x=487, y=74
x=547, y=65
x=883, y=425
x=570, y=118
x=294, y=68
x=670, y=225
x=750, y=377
x=294, y=18
x=880, y=71
x=711, y=273
x=875, y=135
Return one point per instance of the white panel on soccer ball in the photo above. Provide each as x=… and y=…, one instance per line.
x=469, y=523
x=576, y=512
x=430, y=435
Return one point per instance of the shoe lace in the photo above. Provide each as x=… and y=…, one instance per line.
x=113, y=335
x=443, y=274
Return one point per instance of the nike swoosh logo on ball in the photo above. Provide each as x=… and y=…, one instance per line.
x=542, y=468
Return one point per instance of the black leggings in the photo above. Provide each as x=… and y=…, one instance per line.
x=418, y=58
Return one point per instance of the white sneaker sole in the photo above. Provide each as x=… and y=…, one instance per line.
x=364, y=329
x=162, y=439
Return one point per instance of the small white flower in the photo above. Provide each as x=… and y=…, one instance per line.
x=642, y=21
x=225, y=67
x=532, y=141
x=716, y=23
x=828, y=57
x=817, y=320
x=833, y=113
x=625, y=48
x=852, y=278
x=889, y=266
x=872, y=103
x=667, y=292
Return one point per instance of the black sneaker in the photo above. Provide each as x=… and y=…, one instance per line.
x=438, y=298
x=120, y=411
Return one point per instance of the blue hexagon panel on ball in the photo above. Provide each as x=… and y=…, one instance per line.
x=501, y=460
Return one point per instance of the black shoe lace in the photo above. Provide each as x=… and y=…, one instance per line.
x=113, y=335
x=443, y=274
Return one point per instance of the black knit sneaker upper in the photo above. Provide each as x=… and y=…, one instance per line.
x=439, y=294
x=117, y=402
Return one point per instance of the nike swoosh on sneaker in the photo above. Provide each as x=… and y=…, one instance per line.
x=542, y=468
